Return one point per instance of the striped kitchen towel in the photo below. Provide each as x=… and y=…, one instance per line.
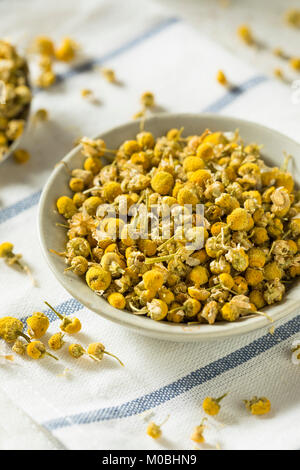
x=79, y=403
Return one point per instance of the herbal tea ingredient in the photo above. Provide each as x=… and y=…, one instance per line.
x=154, y=430
x=13, y=112
x=211, y=406
x=37, y=350
x=250, y=228
x=258, y=406
x=68, y=325
x=6, y=252
x=37, y=324
x=197, y=435
x=48, y=53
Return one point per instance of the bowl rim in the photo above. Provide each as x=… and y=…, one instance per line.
x=161, y=330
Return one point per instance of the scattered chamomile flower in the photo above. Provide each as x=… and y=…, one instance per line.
x=147, y=99
x=97, y=350
x=21, y=156
x=258, y=406
x=85, y=93
x=67, y=51
x=77, y=351
x=37, y=324
x=295, y=63
x=221, y=78
x=108, y=74
x=154, y=430
x=278, y=73
x=37, y=350
x=292, y=17
x=211, y=405
x=11, y=328
x=296, y=352
x=40, y=115
x=197, y=435
x=56, y=341
x=6, y=252
x=68, y=325
x=19, y=347
x=245, y=34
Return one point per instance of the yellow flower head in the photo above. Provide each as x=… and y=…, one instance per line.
x=66, y=207
x=76, y=350
x=117, y=300
x=38, y=324
x=97, y=350
x=147, y=99
x=211, y=406
x=67, y=50
x=36, y=350
x=56, y=341
x=11, y=328
x=197, y=435
x=98, y=279
x=154, y=430
x=21, y=156
x=162, y=182
x=258, y=406
x=6, y=249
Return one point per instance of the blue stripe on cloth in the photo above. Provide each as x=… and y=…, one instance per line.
x=229, y=97
x=68, y=307
x=20, y=206
x=88, y=65
x=184, y=384
x=234, y=93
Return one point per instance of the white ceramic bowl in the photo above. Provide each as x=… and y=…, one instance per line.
x=53, y=237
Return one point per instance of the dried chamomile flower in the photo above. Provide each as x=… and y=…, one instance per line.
x=36, y=350
x=56, y=342
x=67, y=51
x=211, y=406
x=245, y=34
x=221, y=78
x=197, y=435
x=154, y=430
x=147, y=99
x=79, y=265
x=46, y=79
x=21, y=156
x=98, y=279
x=40, y=115
x=292, y=17
x=295, y=63
x=11, y=328
x=77, y=351
x=117, y=300
x=248, y=233
x=296, y=352
x=43, y=45
x=6, y=252
x=97, y=350
x=258, y=406
x=37, y=324
x=19, y=347
x=68, y=325
x=278, y=73
x=66, y=207
x=15, y=96
x=108, y=74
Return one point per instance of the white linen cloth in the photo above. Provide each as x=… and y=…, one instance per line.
x=105, y=406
